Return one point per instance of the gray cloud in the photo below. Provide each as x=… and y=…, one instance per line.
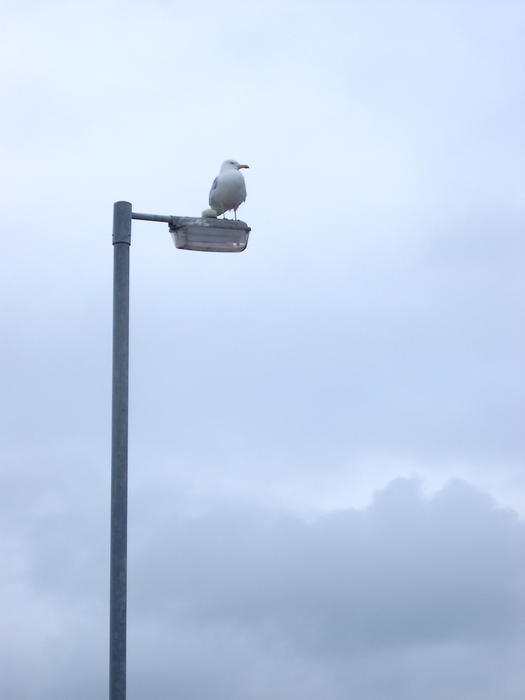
x=237, y=602
x=366, y=600
x=404, y=571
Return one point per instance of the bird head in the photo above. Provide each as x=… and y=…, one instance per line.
x=232, y=165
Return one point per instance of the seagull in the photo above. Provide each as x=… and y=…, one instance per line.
x=228, y=190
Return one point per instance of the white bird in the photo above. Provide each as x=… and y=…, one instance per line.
x=229, y=189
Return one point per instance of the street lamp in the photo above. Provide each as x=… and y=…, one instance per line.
x=202, y=234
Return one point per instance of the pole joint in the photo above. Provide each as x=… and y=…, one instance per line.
x=122, y=222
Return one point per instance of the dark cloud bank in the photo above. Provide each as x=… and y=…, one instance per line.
x=411, y=597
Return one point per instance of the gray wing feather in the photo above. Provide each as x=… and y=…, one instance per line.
x=213, y=188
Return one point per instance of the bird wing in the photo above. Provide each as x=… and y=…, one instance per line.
x=213, y=188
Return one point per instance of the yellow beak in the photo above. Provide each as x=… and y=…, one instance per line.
x=242, y=166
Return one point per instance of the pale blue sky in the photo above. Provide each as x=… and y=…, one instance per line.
x=360, y=364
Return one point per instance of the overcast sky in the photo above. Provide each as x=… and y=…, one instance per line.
x=326, y=474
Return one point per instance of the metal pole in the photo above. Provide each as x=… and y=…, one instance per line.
x=119, y=452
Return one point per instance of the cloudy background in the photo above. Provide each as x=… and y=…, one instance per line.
x=326, y=445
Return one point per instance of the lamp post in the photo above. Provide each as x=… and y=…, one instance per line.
x=203, y=234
